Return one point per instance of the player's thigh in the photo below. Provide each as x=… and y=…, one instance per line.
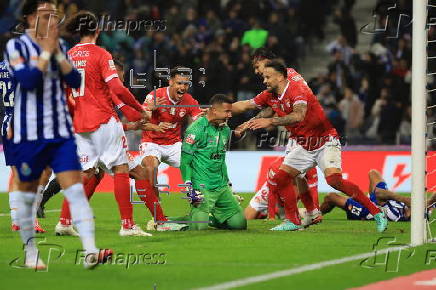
x=30, y=160
x=86, y=150
x=111, y=144
x=328, y=157
x=152, y=151
x=299, y=158
x=336, y=199
x=226, y=205
x=375, y=178
x=171, y=154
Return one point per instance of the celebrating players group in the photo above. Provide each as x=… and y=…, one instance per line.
x=61, y=118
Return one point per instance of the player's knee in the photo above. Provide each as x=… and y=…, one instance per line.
x=334, y=180
x=250, y=213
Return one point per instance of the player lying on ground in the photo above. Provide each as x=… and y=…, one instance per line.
x=265, y=205
x=314, y=141
x=204, y=169
x=41, y=133
x=7, y=88
x=397, y=207
x=99, y=132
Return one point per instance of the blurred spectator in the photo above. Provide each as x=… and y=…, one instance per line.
x=345, y=20
x=352, y=111
x=256, y=36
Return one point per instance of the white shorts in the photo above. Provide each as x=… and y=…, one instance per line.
x=169, y=154
x=106, y=147
x=133, y=161
x=327, y=156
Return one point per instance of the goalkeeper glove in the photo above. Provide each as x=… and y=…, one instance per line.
x=195, y=197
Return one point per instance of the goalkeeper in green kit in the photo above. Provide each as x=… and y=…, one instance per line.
x=204, y=170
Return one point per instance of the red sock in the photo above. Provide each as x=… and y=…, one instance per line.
x=312, y=183
x=287, y=194
x=146, y=194
x=272, y=201
x=307, y=201
x=89, y=184
x=65, y=218
x=122, y=196
x=337, y=182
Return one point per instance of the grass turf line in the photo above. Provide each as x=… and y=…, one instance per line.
x=199, y=259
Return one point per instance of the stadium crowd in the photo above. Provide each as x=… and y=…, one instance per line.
x=366, y=93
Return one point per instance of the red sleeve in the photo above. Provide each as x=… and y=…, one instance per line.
x=124, y=94
x=107, y=66
x=299, y=96
x=261, y=100
x=194, y=111
x=71, y=104
x=131, y=114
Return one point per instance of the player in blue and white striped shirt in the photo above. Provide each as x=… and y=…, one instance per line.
x=7, y=88
x=42, y=133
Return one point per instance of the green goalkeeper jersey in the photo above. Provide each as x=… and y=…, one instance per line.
x=203, y=160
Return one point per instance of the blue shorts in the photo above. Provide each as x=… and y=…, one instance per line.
x=356, y=211
x=32, y=157
x=7, y=151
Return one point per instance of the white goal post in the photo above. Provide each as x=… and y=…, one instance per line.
x=419, y=126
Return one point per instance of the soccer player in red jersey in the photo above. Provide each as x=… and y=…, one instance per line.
x=313, y=139
x=175, y=105
x=99, y=132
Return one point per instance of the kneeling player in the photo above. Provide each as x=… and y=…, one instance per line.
x=397, y=207
x=203, y=167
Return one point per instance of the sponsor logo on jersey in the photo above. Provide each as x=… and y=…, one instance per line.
x=190, y=139
x=111, y=64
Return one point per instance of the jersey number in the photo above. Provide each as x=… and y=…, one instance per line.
x=4, y=87
x=81, y=91
x=124, y=141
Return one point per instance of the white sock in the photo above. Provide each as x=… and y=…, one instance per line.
x=13, y=205
x=26, y=219
x=82, y=216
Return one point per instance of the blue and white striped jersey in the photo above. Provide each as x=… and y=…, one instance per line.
x=40, y=111
x=7, y=87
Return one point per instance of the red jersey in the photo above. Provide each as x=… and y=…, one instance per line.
x=315, y=129
x=174, y=115
x=93, y=102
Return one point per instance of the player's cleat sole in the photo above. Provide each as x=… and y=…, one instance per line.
x=63, y=230
x=92, y=260
x=381, y=222
x=134, y=231
x=287, y=226
x=15, y=228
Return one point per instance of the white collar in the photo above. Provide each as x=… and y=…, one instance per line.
x=284, y=91
x=86, y=43
x=169, y=97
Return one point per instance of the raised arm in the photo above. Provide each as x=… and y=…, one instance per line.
x=298, y=114
x=242, y=106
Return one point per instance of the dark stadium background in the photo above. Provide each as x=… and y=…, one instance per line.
x=361, y=78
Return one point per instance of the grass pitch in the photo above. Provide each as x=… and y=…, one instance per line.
x=185, y=260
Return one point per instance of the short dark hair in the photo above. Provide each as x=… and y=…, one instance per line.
x=278, y=66
x=263, y=53
x=118, y=62
x=218, y=99
x=179, y=70
x=30, y=6
x=84, y=23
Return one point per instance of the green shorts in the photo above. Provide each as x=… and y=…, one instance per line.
x=220, y=203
